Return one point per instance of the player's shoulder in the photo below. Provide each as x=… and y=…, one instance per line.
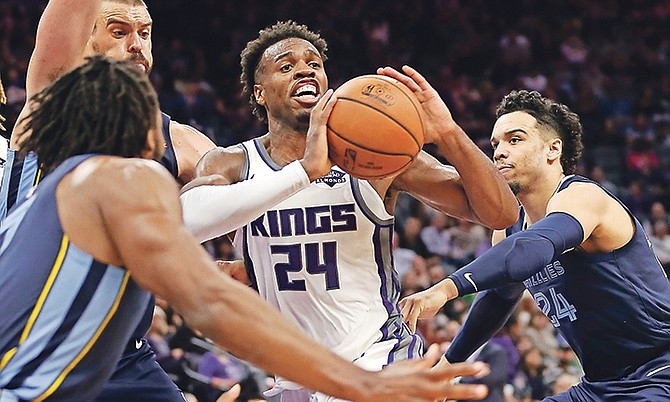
x=583, y=191
x=227, y=161
x=103, y=174
x=181, y=131
x=184, y=136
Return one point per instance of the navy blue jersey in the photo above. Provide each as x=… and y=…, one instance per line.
x=612, y=308
x=169, y=159
x=66, y=317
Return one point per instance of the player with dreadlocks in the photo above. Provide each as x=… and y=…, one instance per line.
x=121, y=30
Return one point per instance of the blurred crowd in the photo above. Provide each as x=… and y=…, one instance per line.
x=608, y=60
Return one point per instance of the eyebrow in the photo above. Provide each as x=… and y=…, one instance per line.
x=514, y=130
x=112, y=21
x=510, y=132
x=290, y=52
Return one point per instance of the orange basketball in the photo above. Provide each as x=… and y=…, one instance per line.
x=376, y=127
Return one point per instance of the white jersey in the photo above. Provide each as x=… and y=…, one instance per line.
x=323, y=258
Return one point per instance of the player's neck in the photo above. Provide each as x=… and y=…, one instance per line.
x=535, y=200
x=286, y=146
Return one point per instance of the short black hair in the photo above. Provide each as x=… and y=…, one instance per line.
x=252, y=53
x=103, y=106
x=554, y=115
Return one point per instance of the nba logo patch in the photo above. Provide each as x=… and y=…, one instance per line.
x=333, y=178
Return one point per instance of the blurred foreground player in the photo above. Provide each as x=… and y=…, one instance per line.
x=120, y=30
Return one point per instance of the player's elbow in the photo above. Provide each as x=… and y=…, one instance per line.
x=502, y=218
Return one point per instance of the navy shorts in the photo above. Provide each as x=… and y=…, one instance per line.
x=648, y=383
x=139, y=378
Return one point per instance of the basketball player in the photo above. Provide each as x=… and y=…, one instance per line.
x=120, y=29
x=323, y=256
x=68, y=31
x=80, y=254
x=578, y=250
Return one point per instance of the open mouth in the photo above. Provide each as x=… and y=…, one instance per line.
x=307, y=93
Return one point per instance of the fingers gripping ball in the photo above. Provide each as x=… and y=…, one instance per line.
x=376, y=128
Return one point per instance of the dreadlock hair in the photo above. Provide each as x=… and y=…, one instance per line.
x=555, y=116
x=252, y=53
x=103, y=106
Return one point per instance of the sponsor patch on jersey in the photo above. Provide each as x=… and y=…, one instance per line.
x=333, y=178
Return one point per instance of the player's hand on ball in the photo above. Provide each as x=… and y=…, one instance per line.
x=424, y=304
x=235, y=269
x=315, y=161
x=438, y=117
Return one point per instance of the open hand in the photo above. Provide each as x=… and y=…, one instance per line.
x=438, y=117
x=417, y=380
x=424, y=304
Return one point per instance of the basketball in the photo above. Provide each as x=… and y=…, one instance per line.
x=376, y=128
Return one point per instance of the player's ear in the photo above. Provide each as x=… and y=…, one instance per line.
x=150, y=145
x=555, y=149
x=259, y=94
x=155, y=143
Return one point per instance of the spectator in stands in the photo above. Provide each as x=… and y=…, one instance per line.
x=542, y=333
x=410, y=237
x=660, y=241
x=436, y=235
x=222, y=370
x=530, y=379
x=598, y=175
x=466, y=238
x=496, y=358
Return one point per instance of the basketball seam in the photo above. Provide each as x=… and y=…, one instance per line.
x=381, y=176
x=380, y=112
x=367, y=148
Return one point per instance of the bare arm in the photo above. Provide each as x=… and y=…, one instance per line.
x=189, y=146
x=62, y=34
x=142, y=226
x=472, y=189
